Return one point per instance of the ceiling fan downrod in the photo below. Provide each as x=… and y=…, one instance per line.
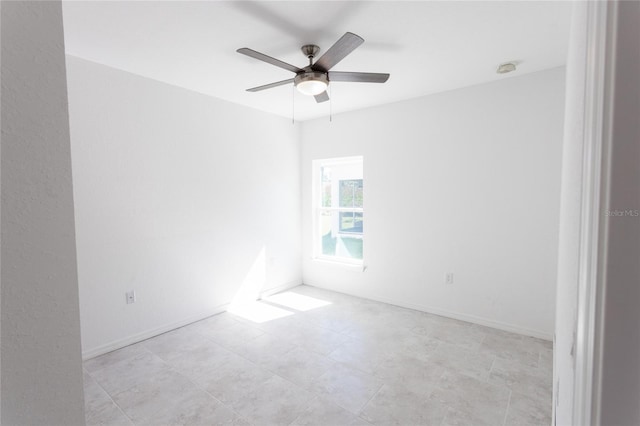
x=310, y=51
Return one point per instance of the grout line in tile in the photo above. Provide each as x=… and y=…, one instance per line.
x=315, y=398
x=141, y=343
x=359, y=413
x=445, y=415
x=223, y=404
x=207, y=392
x=112, y=400
x=506, y=412
x=491, y=368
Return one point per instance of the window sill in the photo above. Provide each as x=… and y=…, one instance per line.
x=353, y=267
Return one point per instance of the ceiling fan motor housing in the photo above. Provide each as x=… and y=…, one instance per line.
x=311, y=82
x=310, y=50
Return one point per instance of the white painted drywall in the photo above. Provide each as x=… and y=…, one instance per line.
x=620, y=391
x=570, y=213
x=41, y=358
x=184, y=198
x=466, y=181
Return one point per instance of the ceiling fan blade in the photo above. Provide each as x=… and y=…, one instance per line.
x=268, y=59
x=358, y=77
x=322, y=97
x=345, y=45
x=270, y=85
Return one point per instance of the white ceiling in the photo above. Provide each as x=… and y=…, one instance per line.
x=427, y=47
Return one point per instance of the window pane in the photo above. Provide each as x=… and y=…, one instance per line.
x=351, y=222
x=341, y=234
x=328, y=242
x=326, y=194
x=351, y=193
x=326, y=186
x=338, y=208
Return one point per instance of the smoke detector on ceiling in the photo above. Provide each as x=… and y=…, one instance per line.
x=506, y=67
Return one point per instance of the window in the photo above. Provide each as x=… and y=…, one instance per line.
x=338, y=199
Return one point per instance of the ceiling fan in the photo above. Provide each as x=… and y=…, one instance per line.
x=314, y=79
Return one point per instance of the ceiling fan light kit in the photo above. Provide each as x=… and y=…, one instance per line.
x=314, y=79
x=311, y=83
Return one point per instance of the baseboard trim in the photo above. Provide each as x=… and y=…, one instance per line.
x=280, y=288
x=139, y=337
x=451, y=314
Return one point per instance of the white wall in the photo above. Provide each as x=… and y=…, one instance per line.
x=466, y=181
x=186, y=199
x=41, y=361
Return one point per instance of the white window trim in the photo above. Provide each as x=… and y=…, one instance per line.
x=330, y=262
x=348, y=263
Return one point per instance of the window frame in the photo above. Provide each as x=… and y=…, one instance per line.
x=317, y=209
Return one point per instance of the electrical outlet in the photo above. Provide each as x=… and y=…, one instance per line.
x=448, y=278
x=131, y=297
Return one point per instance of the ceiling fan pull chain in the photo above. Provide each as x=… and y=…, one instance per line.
x=293, y=104
x=330, y=104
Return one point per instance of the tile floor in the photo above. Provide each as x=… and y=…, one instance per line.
x=314, y=357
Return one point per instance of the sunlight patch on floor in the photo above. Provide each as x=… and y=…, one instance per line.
x=258, y=312
x=297, y=301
